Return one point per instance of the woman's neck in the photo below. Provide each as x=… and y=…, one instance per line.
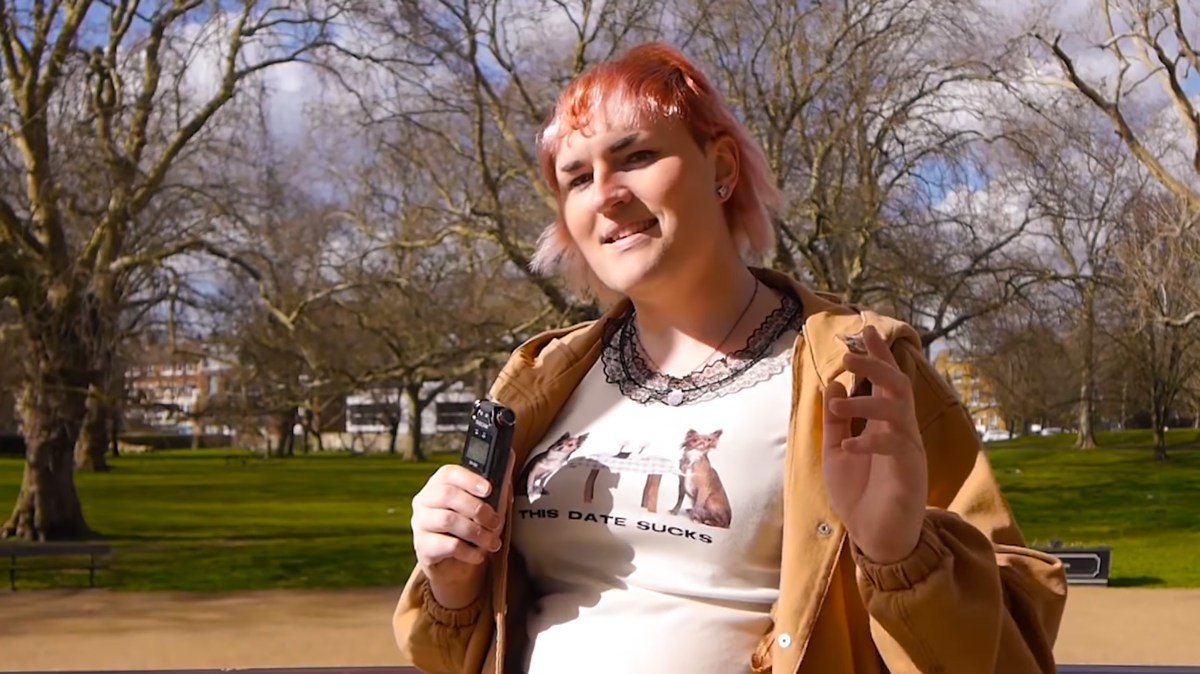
x=699, y=321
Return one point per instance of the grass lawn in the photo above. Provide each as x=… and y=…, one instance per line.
x=192, y=521
x=1149, y=513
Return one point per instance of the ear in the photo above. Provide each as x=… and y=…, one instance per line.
x=723, y=152
x=565, y=436
x=717, y=433
x=691, y=434
x=581, y=438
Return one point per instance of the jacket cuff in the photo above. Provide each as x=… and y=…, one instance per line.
x=929, y=554
x=450, y=617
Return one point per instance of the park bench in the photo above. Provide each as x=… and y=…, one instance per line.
x=62, y=553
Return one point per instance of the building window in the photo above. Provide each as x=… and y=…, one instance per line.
x=453, y=414
x=373, y=414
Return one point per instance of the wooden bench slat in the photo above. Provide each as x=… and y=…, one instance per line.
x=63, y=567
x=53, y=550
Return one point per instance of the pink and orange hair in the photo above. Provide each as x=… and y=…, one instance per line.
x=649, y=83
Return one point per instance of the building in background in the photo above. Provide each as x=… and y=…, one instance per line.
x=376, y=410
x=973, y=390
x=168, y=391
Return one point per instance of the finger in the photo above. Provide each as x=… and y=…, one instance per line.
x=439, y=495
x=877, y=346
x=871, y=408
x=450, y=477
x=835, y=428
x=453, y=524
x=463, y=478
x=883, y=376
x=450, y=497
x=886, y=444
x=437, y=548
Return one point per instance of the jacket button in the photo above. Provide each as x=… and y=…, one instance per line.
x=824, y=529
x=784, y=640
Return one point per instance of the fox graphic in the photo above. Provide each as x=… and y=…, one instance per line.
x=700, y=482
x=532, y=482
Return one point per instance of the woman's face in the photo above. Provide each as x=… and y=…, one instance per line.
x=641, y=203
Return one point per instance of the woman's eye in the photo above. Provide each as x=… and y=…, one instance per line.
x=640, y=157
x=580, y=180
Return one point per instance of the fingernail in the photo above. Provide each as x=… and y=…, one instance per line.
x=481, y=488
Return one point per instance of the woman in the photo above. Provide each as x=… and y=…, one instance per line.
x=692, y=489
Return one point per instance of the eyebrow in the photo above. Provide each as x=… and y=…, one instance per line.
x=617, y=146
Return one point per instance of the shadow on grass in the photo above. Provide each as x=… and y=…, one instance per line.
x=1135, y=581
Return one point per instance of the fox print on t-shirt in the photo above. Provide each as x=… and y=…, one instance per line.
x=700, y=482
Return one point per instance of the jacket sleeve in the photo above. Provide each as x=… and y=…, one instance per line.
x=438, y=640
x=972, y=597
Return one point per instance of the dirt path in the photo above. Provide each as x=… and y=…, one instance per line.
x=109, y=630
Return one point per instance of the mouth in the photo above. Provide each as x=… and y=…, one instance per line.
x=631, y=229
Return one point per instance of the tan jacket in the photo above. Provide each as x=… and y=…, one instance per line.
x=970, y=600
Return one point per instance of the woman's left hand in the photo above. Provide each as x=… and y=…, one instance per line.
x=877, y=482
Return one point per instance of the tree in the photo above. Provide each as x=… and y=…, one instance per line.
x=1160, y=268
x=434, y=304
x=1085, y=184
x=99, y=119
x=1148, y=56
x=1022, y=355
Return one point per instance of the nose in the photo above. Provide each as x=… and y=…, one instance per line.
x=611, y=193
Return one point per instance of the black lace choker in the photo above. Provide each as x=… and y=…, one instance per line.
x=626, y=365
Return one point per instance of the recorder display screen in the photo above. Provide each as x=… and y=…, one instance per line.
x=477, y=449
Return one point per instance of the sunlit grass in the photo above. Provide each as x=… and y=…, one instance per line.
x=196, y=521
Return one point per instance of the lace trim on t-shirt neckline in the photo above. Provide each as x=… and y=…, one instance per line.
x=627, y=366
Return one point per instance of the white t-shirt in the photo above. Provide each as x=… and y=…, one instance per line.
x=652, y=531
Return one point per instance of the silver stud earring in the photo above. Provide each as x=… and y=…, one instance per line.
x=723, y=191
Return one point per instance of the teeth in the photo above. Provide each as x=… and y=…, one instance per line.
x=636, y=230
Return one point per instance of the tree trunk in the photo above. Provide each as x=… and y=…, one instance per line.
x=48, y=506
x=393, y=434
x=286, y=422
x=1159, y=419
x=1160, y=444
x=415, y=451
x=1087, y=388
x=91, y=447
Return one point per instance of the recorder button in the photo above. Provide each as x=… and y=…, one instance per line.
x=505, y=417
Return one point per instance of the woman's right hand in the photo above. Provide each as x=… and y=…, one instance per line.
x=455, y=531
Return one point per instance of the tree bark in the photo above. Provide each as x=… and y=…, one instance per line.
x=286, y=421
x=92, y=446
x=1087, y=387
x=48, y=506
x=1158, y=416
x=415, y=451
x=114, y=432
